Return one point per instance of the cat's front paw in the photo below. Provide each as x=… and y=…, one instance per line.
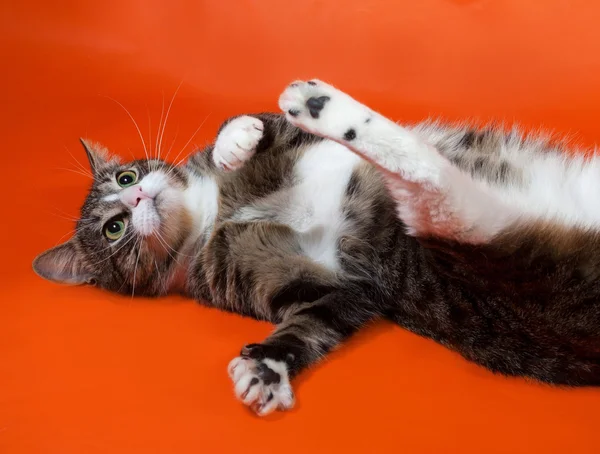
x=237, y=142
x=324, y=110
x=262, y=384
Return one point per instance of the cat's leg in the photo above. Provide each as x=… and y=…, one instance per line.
x=262, y=373
x=433, y=196
x=259, y=269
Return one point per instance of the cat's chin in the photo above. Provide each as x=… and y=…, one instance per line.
x=145, y=218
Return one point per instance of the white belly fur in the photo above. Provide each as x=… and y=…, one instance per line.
x=315, y=211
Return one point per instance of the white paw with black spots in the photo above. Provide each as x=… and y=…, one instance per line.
x=237, y=142
x=324, y=110
x=263, y=385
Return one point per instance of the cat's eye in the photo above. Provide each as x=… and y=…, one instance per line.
x=114, y=229
x=126, y=178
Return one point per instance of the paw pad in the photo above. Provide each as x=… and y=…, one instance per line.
x=263, y=385
x=315, y=105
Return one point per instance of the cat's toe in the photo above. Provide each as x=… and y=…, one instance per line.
x=237, y=142
x=262, y=385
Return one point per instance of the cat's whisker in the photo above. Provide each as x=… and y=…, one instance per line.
x=60, y=240
x=160, y=237
x=131, y=153
x=166, y=247
x=74, y=231
x=186, y=156
x=79, y=165
x=67, y=218
x=139, y=248
x=164, y=243
x=161, y=281
x=110, y=247
x=149, y=132
x=165, y=159
x=89, y=226
x=175, y=163
x=60, y=213
x=80, y=229
x=121, y=286
x=134, y=123
x=87, y=175
x=162, y=113
x=164, y=125
x=175, y=251
x=116, y=251
x=84, y=170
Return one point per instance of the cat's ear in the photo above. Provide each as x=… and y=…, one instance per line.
x=63, y=264
x=97, y=155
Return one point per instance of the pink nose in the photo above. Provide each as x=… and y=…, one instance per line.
x=133, y=195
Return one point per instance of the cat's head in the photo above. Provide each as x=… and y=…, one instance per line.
x=133, y=221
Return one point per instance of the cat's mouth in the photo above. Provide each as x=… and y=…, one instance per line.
x=145, y=217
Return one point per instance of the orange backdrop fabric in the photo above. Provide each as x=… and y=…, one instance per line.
x=84, y=371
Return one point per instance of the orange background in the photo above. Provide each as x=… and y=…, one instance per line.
x=83, y=371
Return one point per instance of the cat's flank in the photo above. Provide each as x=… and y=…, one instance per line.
x=483, y=241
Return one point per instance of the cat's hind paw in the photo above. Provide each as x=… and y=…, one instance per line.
x=323, y=110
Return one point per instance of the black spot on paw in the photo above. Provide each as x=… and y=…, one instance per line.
x=350, y=134
x=294, y=112
x=315, y=105
x=311, y=82
x=368, y=120
x=267, y=374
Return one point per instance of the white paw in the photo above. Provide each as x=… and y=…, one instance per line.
x=323, y=110
x=237, y=142
x=263, y=385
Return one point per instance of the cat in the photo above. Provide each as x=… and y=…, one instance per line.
x=330, y=216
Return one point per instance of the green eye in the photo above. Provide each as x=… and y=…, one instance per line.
x=126, y=178
x=114, y=229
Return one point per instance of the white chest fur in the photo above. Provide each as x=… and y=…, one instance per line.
x=202, y=202
x=315, y=210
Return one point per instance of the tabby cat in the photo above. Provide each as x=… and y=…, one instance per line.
x=330, y=216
